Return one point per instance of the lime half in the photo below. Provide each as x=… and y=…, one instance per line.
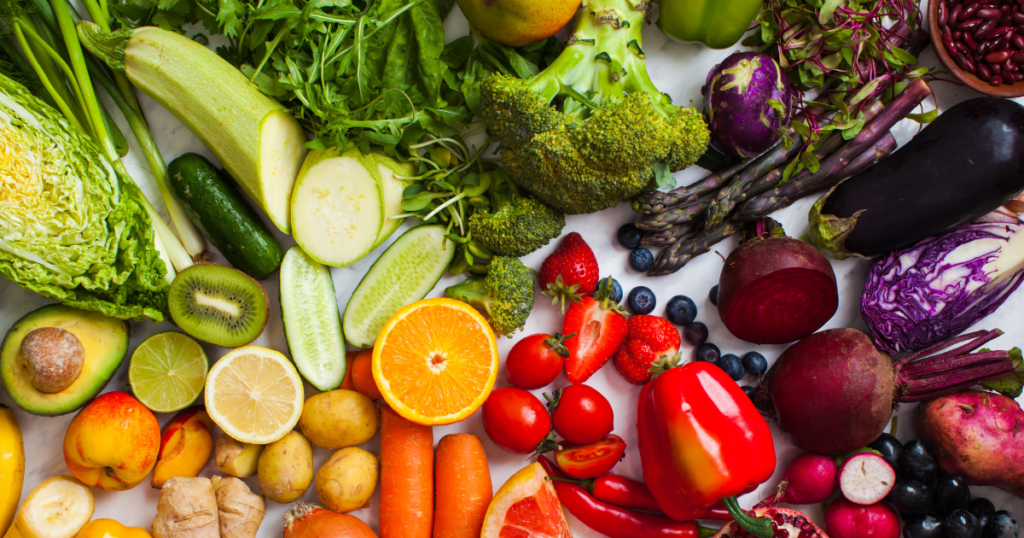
x=168, y=372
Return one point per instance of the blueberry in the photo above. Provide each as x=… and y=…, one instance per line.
x=961, y=524
x=732, y=365
x=755, y=363
x=696, y=333
x=912, y=497
x=707, y=352
x=748, y=390
x=917, y=463
x=713, y=295
x=1002, y=524
x=641, y=300
x=951, y=493
x=641, y=260
x=924, y=527
x=681, y=310
x=616, y=293
x=630, y=236
x=890, y=448
x=982, y=508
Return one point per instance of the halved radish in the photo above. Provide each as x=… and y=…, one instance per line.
x=866, y=478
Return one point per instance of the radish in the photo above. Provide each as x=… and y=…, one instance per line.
x=808, y=479
x=845, y=519
x=866, y=478
x=775, y=289
x=834, y=391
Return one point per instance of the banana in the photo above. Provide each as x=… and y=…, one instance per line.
x=12, y=467
x=57, y=508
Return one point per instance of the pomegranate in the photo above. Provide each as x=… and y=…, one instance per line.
x=786, y=523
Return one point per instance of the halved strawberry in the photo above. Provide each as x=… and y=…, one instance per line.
x=570, y=272
x=652, y=345
x=600, y=327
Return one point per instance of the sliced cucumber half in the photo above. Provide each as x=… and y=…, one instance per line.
x=404, y=274
x=312, y=322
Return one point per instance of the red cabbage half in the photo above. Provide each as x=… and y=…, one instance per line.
x=925, y=294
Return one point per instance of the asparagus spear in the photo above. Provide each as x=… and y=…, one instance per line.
x=784, y=195
x=740, y=190
x=667, y=236
x=681, y=252
x=675, y=215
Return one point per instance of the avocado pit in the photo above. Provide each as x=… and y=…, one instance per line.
x=54, y=358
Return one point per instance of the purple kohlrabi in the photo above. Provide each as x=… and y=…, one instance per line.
x=748, y=103
x=927, y=293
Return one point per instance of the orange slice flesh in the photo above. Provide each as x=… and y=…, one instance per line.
x=435, y=361
x=526, y=506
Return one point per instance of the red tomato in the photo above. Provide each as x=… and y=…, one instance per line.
x=516, y=420
x=583, y=415
x=536, y=360
x=593, y=460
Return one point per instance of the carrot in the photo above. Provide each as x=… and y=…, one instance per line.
x=350, y=358
x=463, y=487
x=362, y=375
x=406, y=477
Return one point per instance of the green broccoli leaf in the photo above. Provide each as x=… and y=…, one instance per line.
x=1013, y=384
x=664, y=177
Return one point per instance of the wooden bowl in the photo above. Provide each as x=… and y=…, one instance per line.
x=971, y=81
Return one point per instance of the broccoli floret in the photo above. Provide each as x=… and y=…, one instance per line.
x=505, y=294
x=516, y=224
x=610, y=129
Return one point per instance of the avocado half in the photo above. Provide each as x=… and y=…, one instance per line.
x=106, y=345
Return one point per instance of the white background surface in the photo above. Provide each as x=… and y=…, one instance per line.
x=677, y=69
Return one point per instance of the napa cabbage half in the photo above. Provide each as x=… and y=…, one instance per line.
x=70, y=225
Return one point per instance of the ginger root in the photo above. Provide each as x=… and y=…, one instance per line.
x=187, y=509
x=241, y=511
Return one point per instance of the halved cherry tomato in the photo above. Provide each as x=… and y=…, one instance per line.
x=593, y=460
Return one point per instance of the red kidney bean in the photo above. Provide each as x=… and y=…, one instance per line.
x=986, y=13
x=983, y=72
x=971, y=42
x=1008, y=80
x=1017, y=77
x=962, y=49
x=996, y=80
x=999, y=44
x=1005, y=9
x=971, y=24
x=1008, y=65
x=999, y=30
x=969, y=12
x=996, y=70
x=950, y=45
x=984, y=46
x=997, y=57
x=1006, y=21
x=943, y=15
x=1018, y=17
x=954, y=15
x=1017, y=40
x=1018, y=57
x=984, y=30
x=965, y=63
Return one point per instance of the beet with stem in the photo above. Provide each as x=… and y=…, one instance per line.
x=775, y=289
x=834, y=391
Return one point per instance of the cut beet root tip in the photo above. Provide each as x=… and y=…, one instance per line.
x=866, y=478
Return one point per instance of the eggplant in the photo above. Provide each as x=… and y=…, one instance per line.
x=965, y=164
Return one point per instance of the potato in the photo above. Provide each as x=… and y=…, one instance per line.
x=285, y=468
x=347, y=480
x=339, y=418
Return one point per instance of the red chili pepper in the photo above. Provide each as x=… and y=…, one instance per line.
x=617, y=522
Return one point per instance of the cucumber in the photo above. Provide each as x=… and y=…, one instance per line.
x=312, y=323
x=253, y=136
x=404, y=274
x=223, y=216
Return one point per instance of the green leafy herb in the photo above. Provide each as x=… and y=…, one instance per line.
x=1013, y=384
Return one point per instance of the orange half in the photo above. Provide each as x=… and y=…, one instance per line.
x=435, y=361
x=526, y=506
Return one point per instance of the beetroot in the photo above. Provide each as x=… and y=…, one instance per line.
x=775, y=289
x=785, y=524
x=808, y=479
x=845, y=519
x=834, y=391
x=977, y=435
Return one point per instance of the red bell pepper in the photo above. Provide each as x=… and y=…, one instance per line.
x=616, y=521
x=702, y=440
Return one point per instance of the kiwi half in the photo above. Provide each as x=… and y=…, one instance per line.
x=218, y=304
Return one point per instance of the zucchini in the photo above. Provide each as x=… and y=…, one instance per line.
x=253, y=136
x=343, y=203
x=961, y=166
x=223, y=216
x=312, y=322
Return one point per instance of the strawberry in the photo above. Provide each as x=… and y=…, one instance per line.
x=600, y=327
x=651, y=347
x=570, y=272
